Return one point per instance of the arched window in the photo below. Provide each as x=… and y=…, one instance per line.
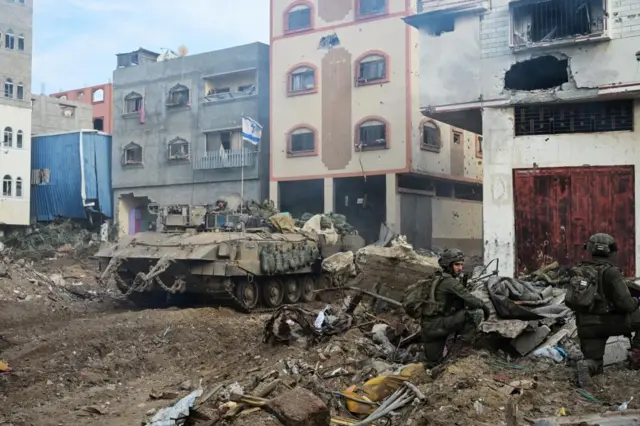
x=298, y=17
x=21, y=42
x=97, y=95
x=178, y=96
x=18, y=187
x=431, y=138
x=372, y=68
x=132, y=102
x=8, y=137
x=6, y=186
x=9, y=40
x=302, y=141
x=132, y=154
x=20, y=91
x=302, y=79
x=8, y=88
x=178, y=149
x=19, y=136
x=372, y=133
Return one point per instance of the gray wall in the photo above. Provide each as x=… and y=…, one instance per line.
x=48, y=116
x=16, y=64
x=163, y=123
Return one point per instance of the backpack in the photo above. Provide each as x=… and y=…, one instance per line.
x=419, y=298
x=584, y=290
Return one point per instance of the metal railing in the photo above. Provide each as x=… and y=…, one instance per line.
x=225, y=160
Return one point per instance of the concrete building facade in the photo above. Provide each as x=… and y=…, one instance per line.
x=347, y=134
x=177, y=130
x=53, y=115
x=100, y=99
x=553, y=87
x=16, y=17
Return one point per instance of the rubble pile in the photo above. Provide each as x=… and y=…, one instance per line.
x=47, y=240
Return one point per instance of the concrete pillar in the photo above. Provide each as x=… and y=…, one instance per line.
x=274, y=194
x=392, y=203
x=329, y=196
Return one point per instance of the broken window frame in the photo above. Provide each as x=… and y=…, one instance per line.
x=132, y=103
x=179, y=95
x=520, y=17
x=302, y=141
x=8, y=88
x=6, y=186
x=176, y=144
x=431, y=138
x=20, y=91
x=368, y=134
x=574, y=118
x=19, y=138
x=300, y=14
x=367, y=8
x=40, y=176
x=302, y=80
x=456, y=137
x=7, y=140
x=132, y=154
x=373, y=61
x=219, y=140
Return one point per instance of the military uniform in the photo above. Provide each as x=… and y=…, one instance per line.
x=447, y=313
x=617, y=315
x=451, y=296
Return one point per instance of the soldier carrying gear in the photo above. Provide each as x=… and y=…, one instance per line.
x=439, y=303
x=604, y=307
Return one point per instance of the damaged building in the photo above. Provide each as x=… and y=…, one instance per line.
x=552, y=86
x=177, y=136
x=352, y=140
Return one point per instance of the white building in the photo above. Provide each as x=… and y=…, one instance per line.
x=553, y=86
x=16, y=18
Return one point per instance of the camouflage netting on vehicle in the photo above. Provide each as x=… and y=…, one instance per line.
x=276, y=259
x=264, y=210
x=339, y=222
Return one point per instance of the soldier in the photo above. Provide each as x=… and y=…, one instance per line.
x=439, y=303
x=607, y=310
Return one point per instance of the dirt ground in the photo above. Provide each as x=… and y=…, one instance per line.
x=95, y=361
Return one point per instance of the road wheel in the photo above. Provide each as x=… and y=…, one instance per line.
x=292, y=290
x=307, y=285
x=247, y=294
x=272, y=293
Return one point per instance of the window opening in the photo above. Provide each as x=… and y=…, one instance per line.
x=9, y=40
x=372, y=135
x=431, y=136
x=97, y=95
x=133, y=154
x=178, y=96
x=302, y=79
x=299, y=17
x=18, y=187
x=302, y=140
x=21, y=43
x=8, y=88
x=6, y=186
x=589, y=117
x=371, y=7
x=372, y=68
x=8, y=137
x=133, y=102
x=19, y=137
x=178, y=149
x=543, y=72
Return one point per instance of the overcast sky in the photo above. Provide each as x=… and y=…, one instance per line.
x=75, y=41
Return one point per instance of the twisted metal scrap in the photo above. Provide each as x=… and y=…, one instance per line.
x=305, y=319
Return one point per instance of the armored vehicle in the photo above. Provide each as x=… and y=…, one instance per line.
x=214, y=256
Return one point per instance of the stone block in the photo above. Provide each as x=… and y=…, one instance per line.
x=300, y=407
x=529, y=340
x=616, y=350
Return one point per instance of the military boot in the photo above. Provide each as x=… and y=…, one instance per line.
x=587, y=368
x=634, y=359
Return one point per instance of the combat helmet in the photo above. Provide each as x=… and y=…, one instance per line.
x=450, y=256
x=601, y=245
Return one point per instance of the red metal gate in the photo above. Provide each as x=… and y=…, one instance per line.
x=556, y=209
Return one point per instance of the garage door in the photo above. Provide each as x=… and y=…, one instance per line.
x=556, y=209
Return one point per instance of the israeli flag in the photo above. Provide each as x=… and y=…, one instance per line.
x=251, y=130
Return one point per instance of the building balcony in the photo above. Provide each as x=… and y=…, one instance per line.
x=226, y=160
x=430, y=6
